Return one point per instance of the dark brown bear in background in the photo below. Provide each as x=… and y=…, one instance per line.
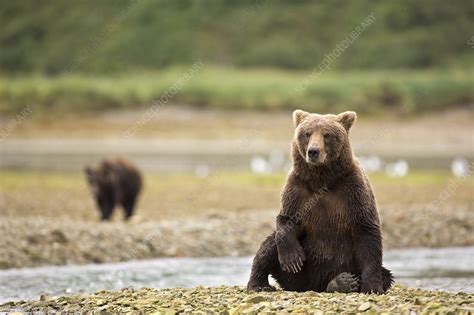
x=112, y=182
x=328, y=234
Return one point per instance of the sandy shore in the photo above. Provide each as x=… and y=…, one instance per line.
x=36, y=241
x=235, y=300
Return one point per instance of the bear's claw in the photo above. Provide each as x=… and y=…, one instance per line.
x=262, y=288
x=291, y=260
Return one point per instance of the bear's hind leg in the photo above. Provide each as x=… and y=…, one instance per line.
x=264, y=262
x=344, y=283
x=129, y=205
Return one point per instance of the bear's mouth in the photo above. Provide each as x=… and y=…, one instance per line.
x=316, y=161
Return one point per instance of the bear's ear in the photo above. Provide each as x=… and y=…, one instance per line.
x=299, y=116
x=347, y=119
x=90, y=173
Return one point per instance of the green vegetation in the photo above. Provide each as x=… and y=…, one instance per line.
x=366, y=92
x=123, y=35
x=68, y=57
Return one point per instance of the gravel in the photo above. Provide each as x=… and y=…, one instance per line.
x=38, y=241
x=236, y=300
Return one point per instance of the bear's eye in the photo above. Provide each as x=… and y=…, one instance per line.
x=307, y=135
x=327, y=136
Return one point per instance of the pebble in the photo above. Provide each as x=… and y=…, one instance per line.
x=33, y=241
x=364, y=306
x=236, y=300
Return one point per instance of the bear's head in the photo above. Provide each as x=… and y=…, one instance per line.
x=100, y=178
x=320, y=139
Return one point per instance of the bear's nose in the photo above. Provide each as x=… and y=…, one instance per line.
x=313, y=152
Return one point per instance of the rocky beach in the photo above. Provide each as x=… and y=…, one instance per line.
x=236, y=300
x=37, y=241
x=48, y=218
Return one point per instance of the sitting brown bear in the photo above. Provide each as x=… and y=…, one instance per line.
x=328, y=234
x=114, y=181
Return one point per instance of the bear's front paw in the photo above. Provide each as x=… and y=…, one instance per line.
x=343, y=282
x=291, y=259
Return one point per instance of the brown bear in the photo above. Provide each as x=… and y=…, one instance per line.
x=328, y=235
x=114, y=181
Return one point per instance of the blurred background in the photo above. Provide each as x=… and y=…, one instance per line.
x=199, y=95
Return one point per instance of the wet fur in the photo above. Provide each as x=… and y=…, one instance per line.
x=328, y=214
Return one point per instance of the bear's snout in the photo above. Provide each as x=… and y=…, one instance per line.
x=315, y=155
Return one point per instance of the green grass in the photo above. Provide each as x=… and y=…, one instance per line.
x=256, y=89
x=25, y=179
x=59, y=194
x=14, y=179
x=416, y=178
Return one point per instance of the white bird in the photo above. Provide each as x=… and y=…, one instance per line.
x=460, y=167
x=277, y=159
x=371, y=163
x=202, y=170
x=397, y=169
x=259, y=165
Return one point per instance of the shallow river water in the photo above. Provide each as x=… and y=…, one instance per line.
x=450, y=269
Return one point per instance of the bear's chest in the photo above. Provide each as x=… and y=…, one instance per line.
x=327, y=231
x=327, y=217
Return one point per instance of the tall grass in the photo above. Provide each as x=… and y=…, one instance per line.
x=365, y=91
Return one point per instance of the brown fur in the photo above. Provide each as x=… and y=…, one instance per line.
x=112, y=182
x=328, y=230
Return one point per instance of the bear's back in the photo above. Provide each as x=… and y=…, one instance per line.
x=127, y=176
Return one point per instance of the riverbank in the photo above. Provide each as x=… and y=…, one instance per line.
x=235, y=300
x=49, y=218
x=39, y=241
